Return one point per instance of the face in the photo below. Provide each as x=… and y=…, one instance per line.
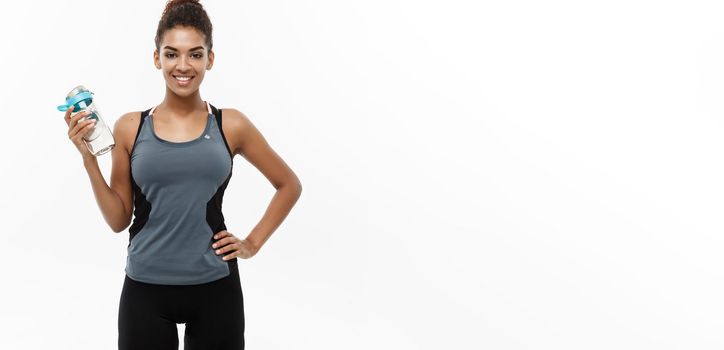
x=183, y=60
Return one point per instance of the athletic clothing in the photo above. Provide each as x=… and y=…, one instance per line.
x=172, y=273
x=213, y=313
x=178, y=189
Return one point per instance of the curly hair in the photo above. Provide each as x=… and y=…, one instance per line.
x=188, y=13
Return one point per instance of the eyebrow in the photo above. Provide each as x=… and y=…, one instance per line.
x=175, y=49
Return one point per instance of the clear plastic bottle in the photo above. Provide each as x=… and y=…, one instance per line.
x=100, y=140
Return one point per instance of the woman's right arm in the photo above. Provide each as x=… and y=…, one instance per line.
x=116, y=201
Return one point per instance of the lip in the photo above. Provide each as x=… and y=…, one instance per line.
x=183, y=83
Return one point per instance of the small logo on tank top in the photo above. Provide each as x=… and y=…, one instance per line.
x=207, y=137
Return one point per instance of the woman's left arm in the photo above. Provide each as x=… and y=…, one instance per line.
x=251, y=144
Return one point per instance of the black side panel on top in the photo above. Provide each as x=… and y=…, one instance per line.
x=214, y=215
x=217, y=114
x=142, y=208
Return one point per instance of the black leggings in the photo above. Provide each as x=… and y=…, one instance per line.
x=213, y=313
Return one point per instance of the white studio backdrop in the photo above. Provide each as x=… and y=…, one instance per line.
x=477, y=175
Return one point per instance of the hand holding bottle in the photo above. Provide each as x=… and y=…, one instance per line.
x=78, y=128
x=97, y=137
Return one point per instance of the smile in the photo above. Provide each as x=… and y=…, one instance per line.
x=183, y=80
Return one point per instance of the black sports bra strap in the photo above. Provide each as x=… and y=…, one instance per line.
x=140, y=124
x=217, y=114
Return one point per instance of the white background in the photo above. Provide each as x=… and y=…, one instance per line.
x=477, y=175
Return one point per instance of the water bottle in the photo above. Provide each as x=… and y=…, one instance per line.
x=100, y=139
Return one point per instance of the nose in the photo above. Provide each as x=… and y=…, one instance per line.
x=182, y=66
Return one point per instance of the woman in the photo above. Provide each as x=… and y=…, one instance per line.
x=171, y=165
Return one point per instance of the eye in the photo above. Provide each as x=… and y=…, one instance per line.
x=168, y=55
x=198, y=55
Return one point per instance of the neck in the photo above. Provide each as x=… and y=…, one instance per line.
x=182, y=105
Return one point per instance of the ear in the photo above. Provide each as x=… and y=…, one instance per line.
x=210, y=62
x=156, y=59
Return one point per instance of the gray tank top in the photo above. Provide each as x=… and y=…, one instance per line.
x=178, y=191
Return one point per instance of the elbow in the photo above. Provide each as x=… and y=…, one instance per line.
x=297, y=184
x=291, y=185
x=298, y=187
x=120, y=228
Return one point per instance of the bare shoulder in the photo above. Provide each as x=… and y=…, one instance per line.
x=234, y=117
x=125, y=128
x=235, y=125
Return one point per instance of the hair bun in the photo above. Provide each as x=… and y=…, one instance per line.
x=173, y=3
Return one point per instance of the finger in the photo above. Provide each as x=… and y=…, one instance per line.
x=228, y=247
x=80, y=115
x=74, y=119
x=221, y=234
x=81, y=129
x=230, y=256
x=219, y=243
x=80, y=126
x=79, y=136
x=67, y=113
x=224, y=249
x=224, y=241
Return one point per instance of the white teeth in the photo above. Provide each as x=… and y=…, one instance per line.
x=183, y=78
